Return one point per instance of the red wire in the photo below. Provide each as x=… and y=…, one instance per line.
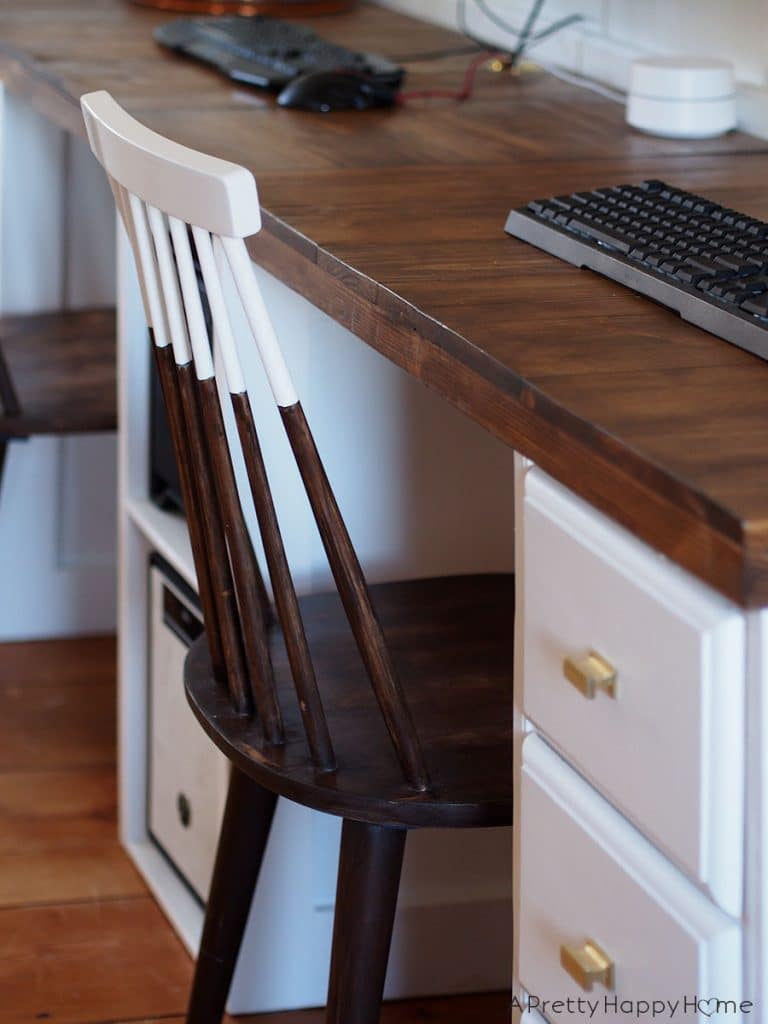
x=464, y=93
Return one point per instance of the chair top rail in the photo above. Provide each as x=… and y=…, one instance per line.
x=193, y=187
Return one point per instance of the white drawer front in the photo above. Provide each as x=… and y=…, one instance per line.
x=586, y=874
x=668, y=748
x=188, y=775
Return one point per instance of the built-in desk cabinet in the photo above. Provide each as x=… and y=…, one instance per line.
x=632, y=682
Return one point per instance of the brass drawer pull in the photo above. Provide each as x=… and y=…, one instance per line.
x=587, y=963
x=591, y=674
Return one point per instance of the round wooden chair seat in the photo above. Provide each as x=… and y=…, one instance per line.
x=452, y=643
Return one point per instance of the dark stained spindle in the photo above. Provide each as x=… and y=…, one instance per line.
x=296, y=645
x=221, y=579
x=245, y=570
x=166, y=368
x=355, y=598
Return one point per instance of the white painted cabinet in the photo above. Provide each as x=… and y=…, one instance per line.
x=639, y=706
x=665, y=743
x=587, y=874
x=188, y=775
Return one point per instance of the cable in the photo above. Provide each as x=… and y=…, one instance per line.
x=497, y=19
x=467, y=86
x=572, y=19
x=526, y=39
x=519, y=34
x=528, y=27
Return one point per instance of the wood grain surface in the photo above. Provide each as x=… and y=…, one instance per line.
x=450, y=642
x=61, y=368
x=392, y=222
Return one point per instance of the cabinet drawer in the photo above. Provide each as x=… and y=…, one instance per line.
x=188, y=775
x=587, y=874
x=667, y=747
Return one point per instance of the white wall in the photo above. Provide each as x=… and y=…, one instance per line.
x=57, y=504
x=618, y=30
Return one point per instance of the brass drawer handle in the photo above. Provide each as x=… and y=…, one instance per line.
x=587, y=963
x=591, y=674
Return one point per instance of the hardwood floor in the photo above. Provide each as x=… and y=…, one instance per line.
x=81, y=939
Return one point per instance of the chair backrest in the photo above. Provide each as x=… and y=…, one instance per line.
x=187, y=213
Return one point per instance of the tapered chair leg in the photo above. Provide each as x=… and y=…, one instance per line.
x=244, y=833
x=366, y=897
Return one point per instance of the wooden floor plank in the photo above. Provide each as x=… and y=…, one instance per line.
x=493, y=1008
x=89, y=963
x=81, y=942
x=58, y=839
x=57, y=704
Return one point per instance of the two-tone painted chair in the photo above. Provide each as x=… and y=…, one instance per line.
x=389, y=706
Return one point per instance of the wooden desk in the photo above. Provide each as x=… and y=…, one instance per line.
x=393, y=224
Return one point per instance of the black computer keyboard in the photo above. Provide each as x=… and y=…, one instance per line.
x=705, y=261
x=268, y=52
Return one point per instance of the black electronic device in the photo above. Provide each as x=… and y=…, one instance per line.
x=164, y=480
x=270, y=53
x=324, y=91
x=164, y=483
x=707, y=262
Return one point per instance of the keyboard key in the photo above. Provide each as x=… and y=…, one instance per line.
x=709, y=267
x=719, y=288
x=756, y=284
x=652, y=185
x=690, y=275
x=731, y=262
x=757, y=305
x=640, y=252
x=655, y=259
x=739, y=290
x=735, y=294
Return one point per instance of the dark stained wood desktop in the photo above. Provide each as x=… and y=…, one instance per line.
x=392, y=222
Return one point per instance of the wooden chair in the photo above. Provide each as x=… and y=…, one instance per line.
x=434, y=751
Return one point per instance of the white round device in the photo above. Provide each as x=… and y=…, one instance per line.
x=682, y=97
